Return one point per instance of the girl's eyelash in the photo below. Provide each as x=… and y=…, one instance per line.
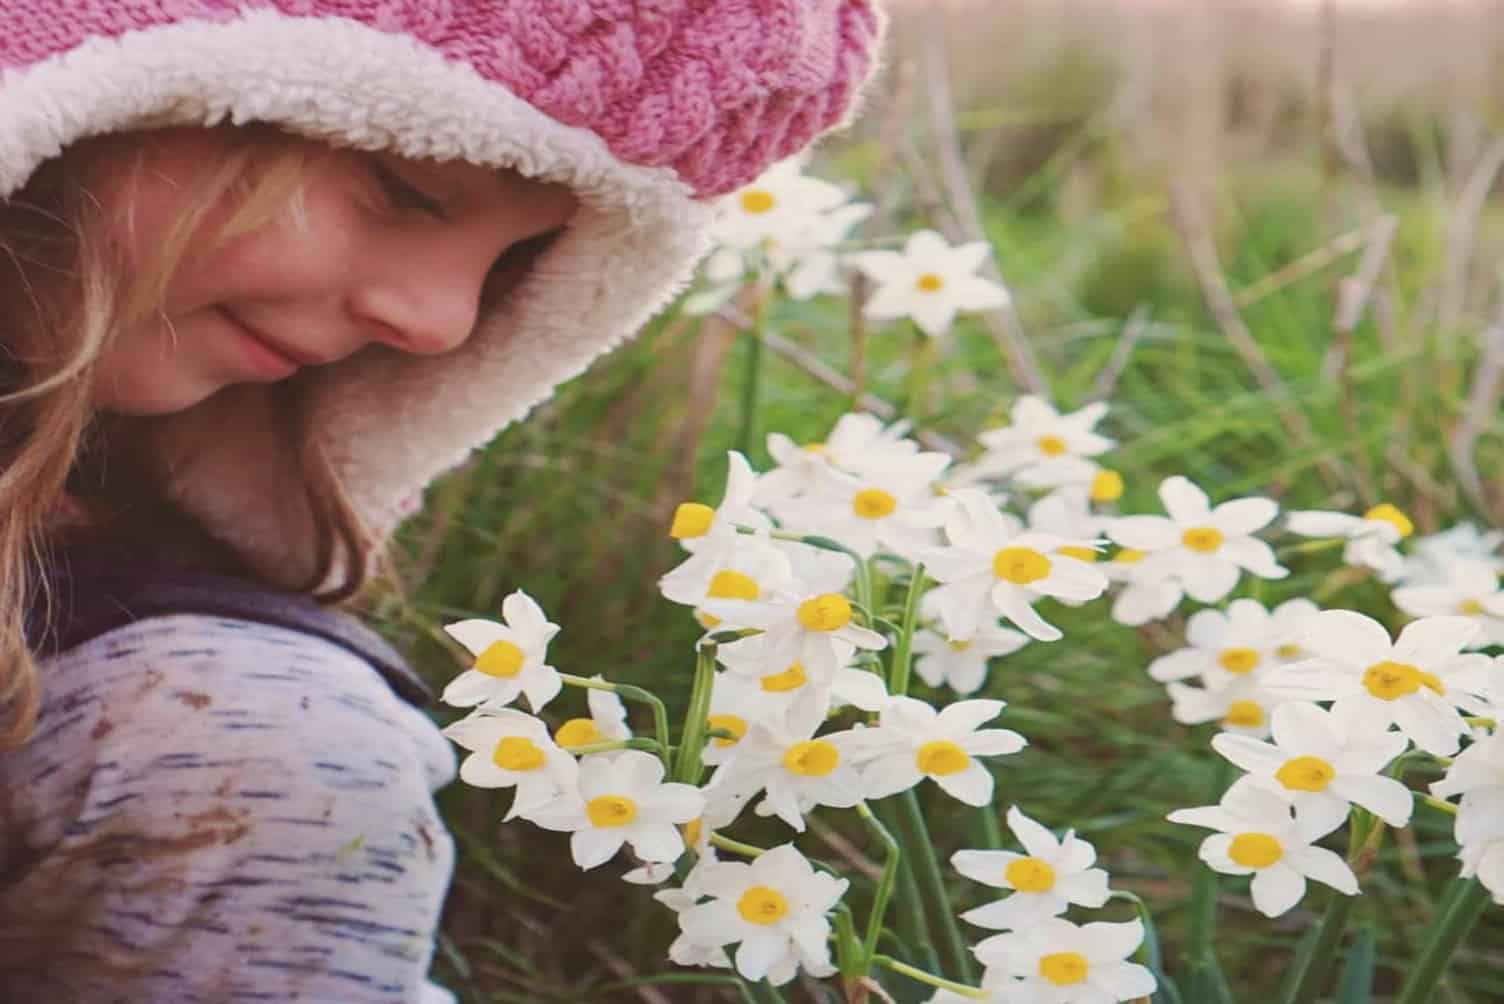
x=405, y=196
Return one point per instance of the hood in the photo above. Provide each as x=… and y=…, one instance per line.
x=648, y=110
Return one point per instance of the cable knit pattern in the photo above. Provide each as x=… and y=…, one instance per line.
x=713, y=89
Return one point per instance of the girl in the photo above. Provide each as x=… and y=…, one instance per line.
x=271, y=267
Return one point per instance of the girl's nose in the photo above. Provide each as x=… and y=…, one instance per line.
x=425, y=309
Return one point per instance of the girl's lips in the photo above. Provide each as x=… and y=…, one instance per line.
x=267, y=360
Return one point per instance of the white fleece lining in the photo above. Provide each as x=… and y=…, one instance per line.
x=390, y=421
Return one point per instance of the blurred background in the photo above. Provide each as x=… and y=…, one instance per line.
x=1266, y=231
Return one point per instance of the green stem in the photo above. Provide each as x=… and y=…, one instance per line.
x=916, y=842
x=913, y=973
x=898, y=684
x=688, y=767
x=913, y=928
x=752, y=379
x=1449, y=931
x=1310, y=547
x=651, y=745
x=735, y=846
x=921, y=364
x=851, y=960
x=891, y=858
x=763, y=992
x=1318, y=963
x=629, y=693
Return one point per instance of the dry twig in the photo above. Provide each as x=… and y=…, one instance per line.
x=1482, y=402
x=1133, y=330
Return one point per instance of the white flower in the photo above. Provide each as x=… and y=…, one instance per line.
x=815, y=630
x=1058, y=962
x=1043, y=448
x=961, y=663
x=895, y=510
x=990, y=569
x=913, y=741
x=778, y=208
x=1202, y=547
x=794, y=768
x=688, y=949
x=1045, y=881
x=511, y=749
x=709, y=534
x=807, y=260
x=1287, y=623
x=929, y=281
x=1258, y=836
x=1370, y=537
x=1480, y=834
x=766, y=691
x=1472, y=590
x=622, y=800
x=1149, y=593
x=1479, y=767
x=607, y=722
x=1222, y=646
x=509, y=658
x=1242, y=707
x=1320, y=762
x=1432, y=557
x=774, y=908
x=744, y=567
x=858, y=444
x=1415, y=682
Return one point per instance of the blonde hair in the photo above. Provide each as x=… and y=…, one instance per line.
x=63, y=301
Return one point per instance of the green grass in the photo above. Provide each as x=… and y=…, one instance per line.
x=573, y=506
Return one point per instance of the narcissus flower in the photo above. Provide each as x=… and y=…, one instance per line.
x=1321, y=762
x=961, y=663
x=773, y=908
x=896, y=511
x=1204, y=548
x=769, y=691
x=1415, y=682
x=511, y=749
x=990, y=569
x=1057, y=962
x=1052, y=875
x=1433, y=557
x=796, y=769
x=622, y=800
x=913, y=741
x=1370, y=537
x=929, y=281
x=1222, y=646
x=1043, y=448
x=1471, y=590
x=508, y=658
x=607, y=722
x=1258, y=836
x=1243, y=707
x=818, y=630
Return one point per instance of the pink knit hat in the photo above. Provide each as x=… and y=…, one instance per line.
x=647, y=109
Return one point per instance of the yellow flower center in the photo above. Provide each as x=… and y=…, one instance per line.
x=811, y=758
x=1238, y=660
x=607, y=811
x=814, y=447
x=728, y=584
x=756, y=201
x=691, y=519
x=1255, y=850
x=579, y=732
x=501, y=659
x=873, y=503
x=735, y=724
x=517, y=753
x=1202, y=539
x=1470, y=608
x=1051, y=446
x=1306, y=773
x=1244, y=714
x=826, y=612
x=1020, y=565
x=929, y=282
x=1079, y=553
x=1030, y=875
x=1129, y=556
x=1064, y=968
x=1107, y=486
x=1389, y=681
x=708, y=621
x=958, y=646
x=790, y=679
x=761, y=905
x=1389, y=514
x=693, y=830
x=941, y=757
x=1289, y=650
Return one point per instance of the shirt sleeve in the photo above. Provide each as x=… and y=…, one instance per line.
x=215, y=809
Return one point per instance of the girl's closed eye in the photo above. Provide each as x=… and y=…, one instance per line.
x=403, y=195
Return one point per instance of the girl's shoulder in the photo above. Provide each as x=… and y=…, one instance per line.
x=95, y=593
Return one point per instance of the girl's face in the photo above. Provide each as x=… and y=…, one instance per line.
x=395, y=252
